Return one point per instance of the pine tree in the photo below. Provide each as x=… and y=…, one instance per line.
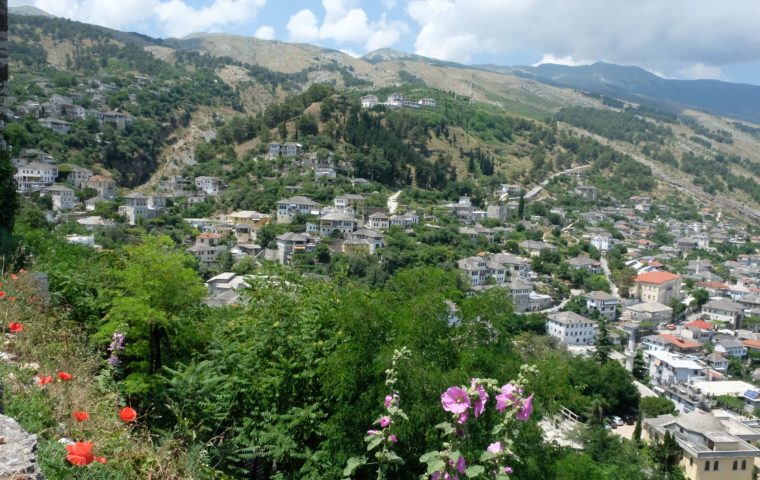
x=521, y=207
x=639, y=366
x=602, y=343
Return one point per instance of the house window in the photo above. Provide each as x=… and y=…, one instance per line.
x=691, y=461
x=707, y=466
x=715, y=465
x=744, y=464
x=736, y=465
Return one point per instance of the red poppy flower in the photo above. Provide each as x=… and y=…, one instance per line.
x=15, y=327
x=80, y=453
x=128, y=414
x=65, y=376
x=81, y=416
x=101, y=460
x=43, y=380
x=2, y=294
x=14, y=276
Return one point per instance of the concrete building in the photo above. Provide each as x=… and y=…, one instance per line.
x=571, y=328
x=725, y=311
x=654, y=313
x=713, y=448
x=602, y=302
x=209, y=185
x=34, y=176
x=207, y=248
x=105, y=186
x=289, y=244
x=669, y=368
x=135, y=207
x=661, y=287
x=63, y=197
x=289, y=208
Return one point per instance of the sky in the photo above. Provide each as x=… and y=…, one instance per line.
x=687, y=39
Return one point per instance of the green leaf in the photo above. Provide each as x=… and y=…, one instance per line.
x=435, y=466
x=352, y=464
x=474, y=471
x=487, y=456
x=374, y=442
x=429, y=456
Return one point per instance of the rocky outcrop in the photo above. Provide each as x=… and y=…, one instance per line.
x=18, y=458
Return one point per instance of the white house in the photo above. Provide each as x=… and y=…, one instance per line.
x=602, y=242
x=35, y=176
x=291, y=243
x=63, y=197
x=731, y=347
x=289, y=208
x=57, y=126
x=210, y=185
x=571, y=328
x=724, y=310
x=378, y=221
x=374, y=238
x=668, y=368
x=603, y=302
x=369, y=101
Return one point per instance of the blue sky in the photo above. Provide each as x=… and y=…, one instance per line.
x=674, y=38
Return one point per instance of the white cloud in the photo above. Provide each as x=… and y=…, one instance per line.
x=173, y=17
x=700, y=70
x=567, y=60
x=303, y=27
x=666, y=36
x=265, y=32
x=344, y=22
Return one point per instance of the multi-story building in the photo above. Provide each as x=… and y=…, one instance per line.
x=713, y=448
x=725, y=311
x=659, y=287
x=207, y=248
x=289, y=244
x=669, y=368
x=602, y=302
x=63, y=197
x=209, y=185
x=378, y=221
x=374, y=238
x=135, y=207
x=35, y=176
x=343, y=223
x=653, y=313
x=289, y=208
x=58, y=126
x=571, y=328
x=105, y=186
x=79, y=176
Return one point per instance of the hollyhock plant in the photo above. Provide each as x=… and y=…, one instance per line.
x=526, y=408
x=128, y=414
x=495, y=448
x=15, y=327
x=481, y=396
x=455, y=400
x=385, y=421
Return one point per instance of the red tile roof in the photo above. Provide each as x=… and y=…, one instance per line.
x=656, y=277
x=680, y=342
x=209, y=235
x=751, y=343
x=715, y=285
x=699, y=324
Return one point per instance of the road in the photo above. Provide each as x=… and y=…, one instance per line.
x=393, y=202
x=608, y=274
x=537, y=189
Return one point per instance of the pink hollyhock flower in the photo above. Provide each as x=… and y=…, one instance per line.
x=388, y=401
x=461, y=465
x=392, y=438
x=526, y=408
x=455, y=400
x=495, y=447
x=462, y=418
x=373, y=432
x=435, y=476
x=508, y=470
x=385, y=421
x=507, y=397
x=480, y=402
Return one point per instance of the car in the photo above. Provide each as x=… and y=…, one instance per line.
x=629, y=419
x=617, y=420
x=610, y=422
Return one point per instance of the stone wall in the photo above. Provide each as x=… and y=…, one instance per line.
x=18, y=460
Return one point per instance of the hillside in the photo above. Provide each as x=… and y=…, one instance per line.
x=634, y=83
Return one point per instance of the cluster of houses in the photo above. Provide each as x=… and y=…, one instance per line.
x=59, y=111
x=397, y=100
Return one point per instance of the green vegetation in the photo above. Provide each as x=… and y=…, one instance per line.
x=614, y=125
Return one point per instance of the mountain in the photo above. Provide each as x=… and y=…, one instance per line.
x=723, y=98
x=29, y=11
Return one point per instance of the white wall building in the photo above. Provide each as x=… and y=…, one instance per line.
x=571, y=328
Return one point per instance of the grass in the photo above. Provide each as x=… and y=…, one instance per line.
x=50, y=343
